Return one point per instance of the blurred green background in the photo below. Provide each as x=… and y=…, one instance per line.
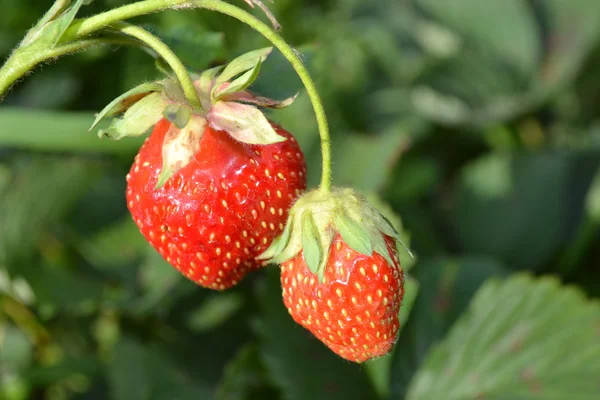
x=476, y=121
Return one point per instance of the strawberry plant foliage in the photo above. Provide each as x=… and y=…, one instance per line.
x=521, y=338
x=89, y=307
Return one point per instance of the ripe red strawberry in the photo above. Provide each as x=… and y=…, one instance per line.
x=211, y=187
x=354, y=310
x=340, y=273
x=216, y=214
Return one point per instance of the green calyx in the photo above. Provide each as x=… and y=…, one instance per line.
x=317, y=217
x=180, y=145
x=226, y=105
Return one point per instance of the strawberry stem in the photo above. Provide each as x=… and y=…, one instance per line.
x=181, y=72
x=83, y=27
x=292, y=56
x=19, y=65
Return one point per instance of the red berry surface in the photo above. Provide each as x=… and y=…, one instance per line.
x=213, y=217
x=354, y=310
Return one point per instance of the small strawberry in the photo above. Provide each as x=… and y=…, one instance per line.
x=340, y=273
x=210, y=189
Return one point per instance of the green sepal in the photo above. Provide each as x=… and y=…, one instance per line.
x=292, y=248
x=280, y=242
x=386, y=227
x=138, y=119
x=243, y=63
x=389, y=216
x=124, y=101
x=380, y=247
x=240, y=83
x=48, y=32
x=243, y=122
x=354, y=234
x=318, y=216
x=205, y=83
x=177, y=114
x=310, y=242
x=179, y=148
x=260, y=101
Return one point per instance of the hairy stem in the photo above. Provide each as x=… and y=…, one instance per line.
x=83, y=27
x=19, y=64
x=183, y=76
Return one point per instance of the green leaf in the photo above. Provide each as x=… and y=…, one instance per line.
x=61, y=290
x=536, y=188
x=245, y=377
x=301, y=366
x=445, y=289
x=196, y=46
x=162, y=285
x=143, y=371
x=507, y=28
x=522, y=338
x=310, y=243
x=244, y=63
x=490, y=177
x=574, y=22
x=378, y=154
x=41, y=192
x=16, y=349
x=68, y=367
x=128, y=376
x=214, y=310
x=353, y=234
x=243, y=122
x=115, y=246
x=126, y=100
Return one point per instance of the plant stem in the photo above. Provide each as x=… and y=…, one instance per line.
x=289, y=53
x=185, y=80
x=19, y=64
x=13, y=69
x=81, y=28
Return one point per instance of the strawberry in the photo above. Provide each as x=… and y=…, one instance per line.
x=340, y=273
x=212, y=185
x=213, y=217
x=354, y=310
